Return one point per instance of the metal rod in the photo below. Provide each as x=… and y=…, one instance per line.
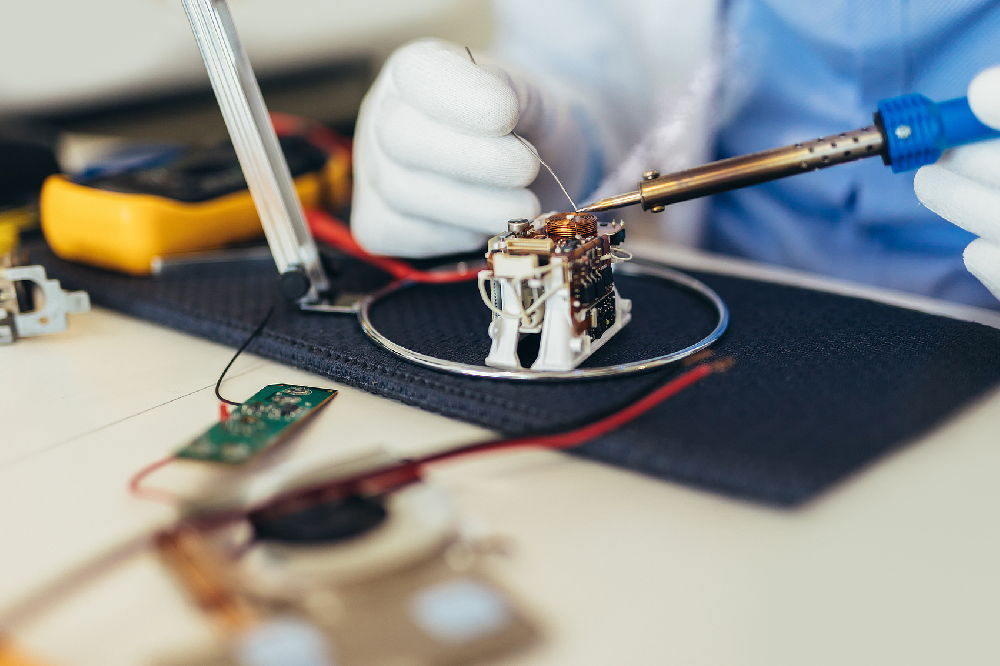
x=256, y=143
x=736, y=172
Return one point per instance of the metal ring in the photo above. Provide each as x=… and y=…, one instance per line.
x=639, y=270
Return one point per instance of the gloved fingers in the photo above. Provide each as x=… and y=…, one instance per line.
x=979, y=162
x=441, y=81
x=438, y=198
x=982, y=258
x=414, y=140
x=447, y=215
x=537, y=114
x=382, y=230
x=967, y=203
x=984, y=96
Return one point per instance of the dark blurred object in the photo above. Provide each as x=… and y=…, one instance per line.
x=326, y=522
x=27, y=158
x=329, y=93
x=203, y=173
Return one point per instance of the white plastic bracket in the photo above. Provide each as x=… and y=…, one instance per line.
x=49, y=318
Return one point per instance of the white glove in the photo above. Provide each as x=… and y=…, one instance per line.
x=964, y=185
x=436, y=169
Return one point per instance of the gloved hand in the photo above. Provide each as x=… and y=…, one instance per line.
x=436, y=170
x=964, y=185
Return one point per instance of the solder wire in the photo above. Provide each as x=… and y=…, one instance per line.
x=534, y=152
x=538, y=157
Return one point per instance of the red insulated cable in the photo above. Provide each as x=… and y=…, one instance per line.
x=388, y=479
x=570, y=438
x=312, y=131
x=328, y=229
x=137, y=489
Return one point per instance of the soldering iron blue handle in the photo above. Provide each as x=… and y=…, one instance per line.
x=918, y=130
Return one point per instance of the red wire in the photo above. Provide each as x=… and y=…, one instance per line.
x=392, y=478
x=316, y=133
x=335, y=233
x=388, y=479
x=156, y=494
x=563, y=440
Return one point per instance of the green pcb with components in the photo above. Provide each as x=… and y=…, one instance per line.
x=257, y=424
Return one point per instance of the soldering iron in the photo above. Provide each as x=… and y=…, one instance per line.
x=909, y=132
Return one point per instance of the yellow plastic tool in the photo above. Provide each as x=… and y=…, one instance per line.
x=124, y=231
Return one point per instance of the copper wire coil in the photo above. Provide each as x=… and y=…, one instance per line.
x=567, y=225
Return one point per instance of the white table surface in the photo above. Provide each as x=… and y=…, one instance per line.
x=898, y=564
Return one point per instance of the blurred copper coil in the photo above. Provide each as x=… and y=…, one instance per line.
x=567, y=225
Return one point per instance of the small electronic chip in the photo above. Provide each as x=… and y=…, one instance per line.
x=257, y=424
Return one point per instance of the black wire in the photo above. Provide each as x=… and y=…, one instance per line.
x=256, y=332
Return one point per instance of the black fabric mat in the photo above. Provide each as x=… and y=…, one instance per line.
x=823, y=384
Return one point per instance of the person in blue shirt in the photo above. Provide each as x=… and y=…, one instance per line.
x=607, y=90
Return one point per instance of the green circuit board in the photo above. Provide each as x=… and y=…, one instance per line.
x=257, y=424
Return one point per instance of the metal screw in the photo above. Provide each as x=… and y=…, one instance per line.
x=517, y=226
x=903, y=132
x=651, y=175
x=657, y=209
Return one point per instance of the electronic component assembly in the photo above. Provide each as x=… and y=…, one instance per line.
x=553, y=276
x=257, y=424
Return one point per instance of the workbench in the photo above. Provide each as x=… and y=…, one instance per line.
x=898, y=564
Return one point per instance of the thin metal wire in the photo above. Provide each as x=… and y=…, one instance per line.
x=534, y=152
x=538, y=157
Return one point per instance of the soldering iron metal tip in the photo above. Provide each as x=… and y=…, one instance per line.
x=617, y=201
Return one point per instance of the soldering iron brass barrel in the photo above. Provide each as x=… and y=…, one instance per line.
x=745, y=170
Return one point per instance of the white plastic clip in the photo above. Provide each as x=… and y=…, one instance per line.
x=49, y=318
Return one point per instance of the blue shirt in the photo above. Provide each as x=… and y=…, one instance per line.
x=801, y=69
